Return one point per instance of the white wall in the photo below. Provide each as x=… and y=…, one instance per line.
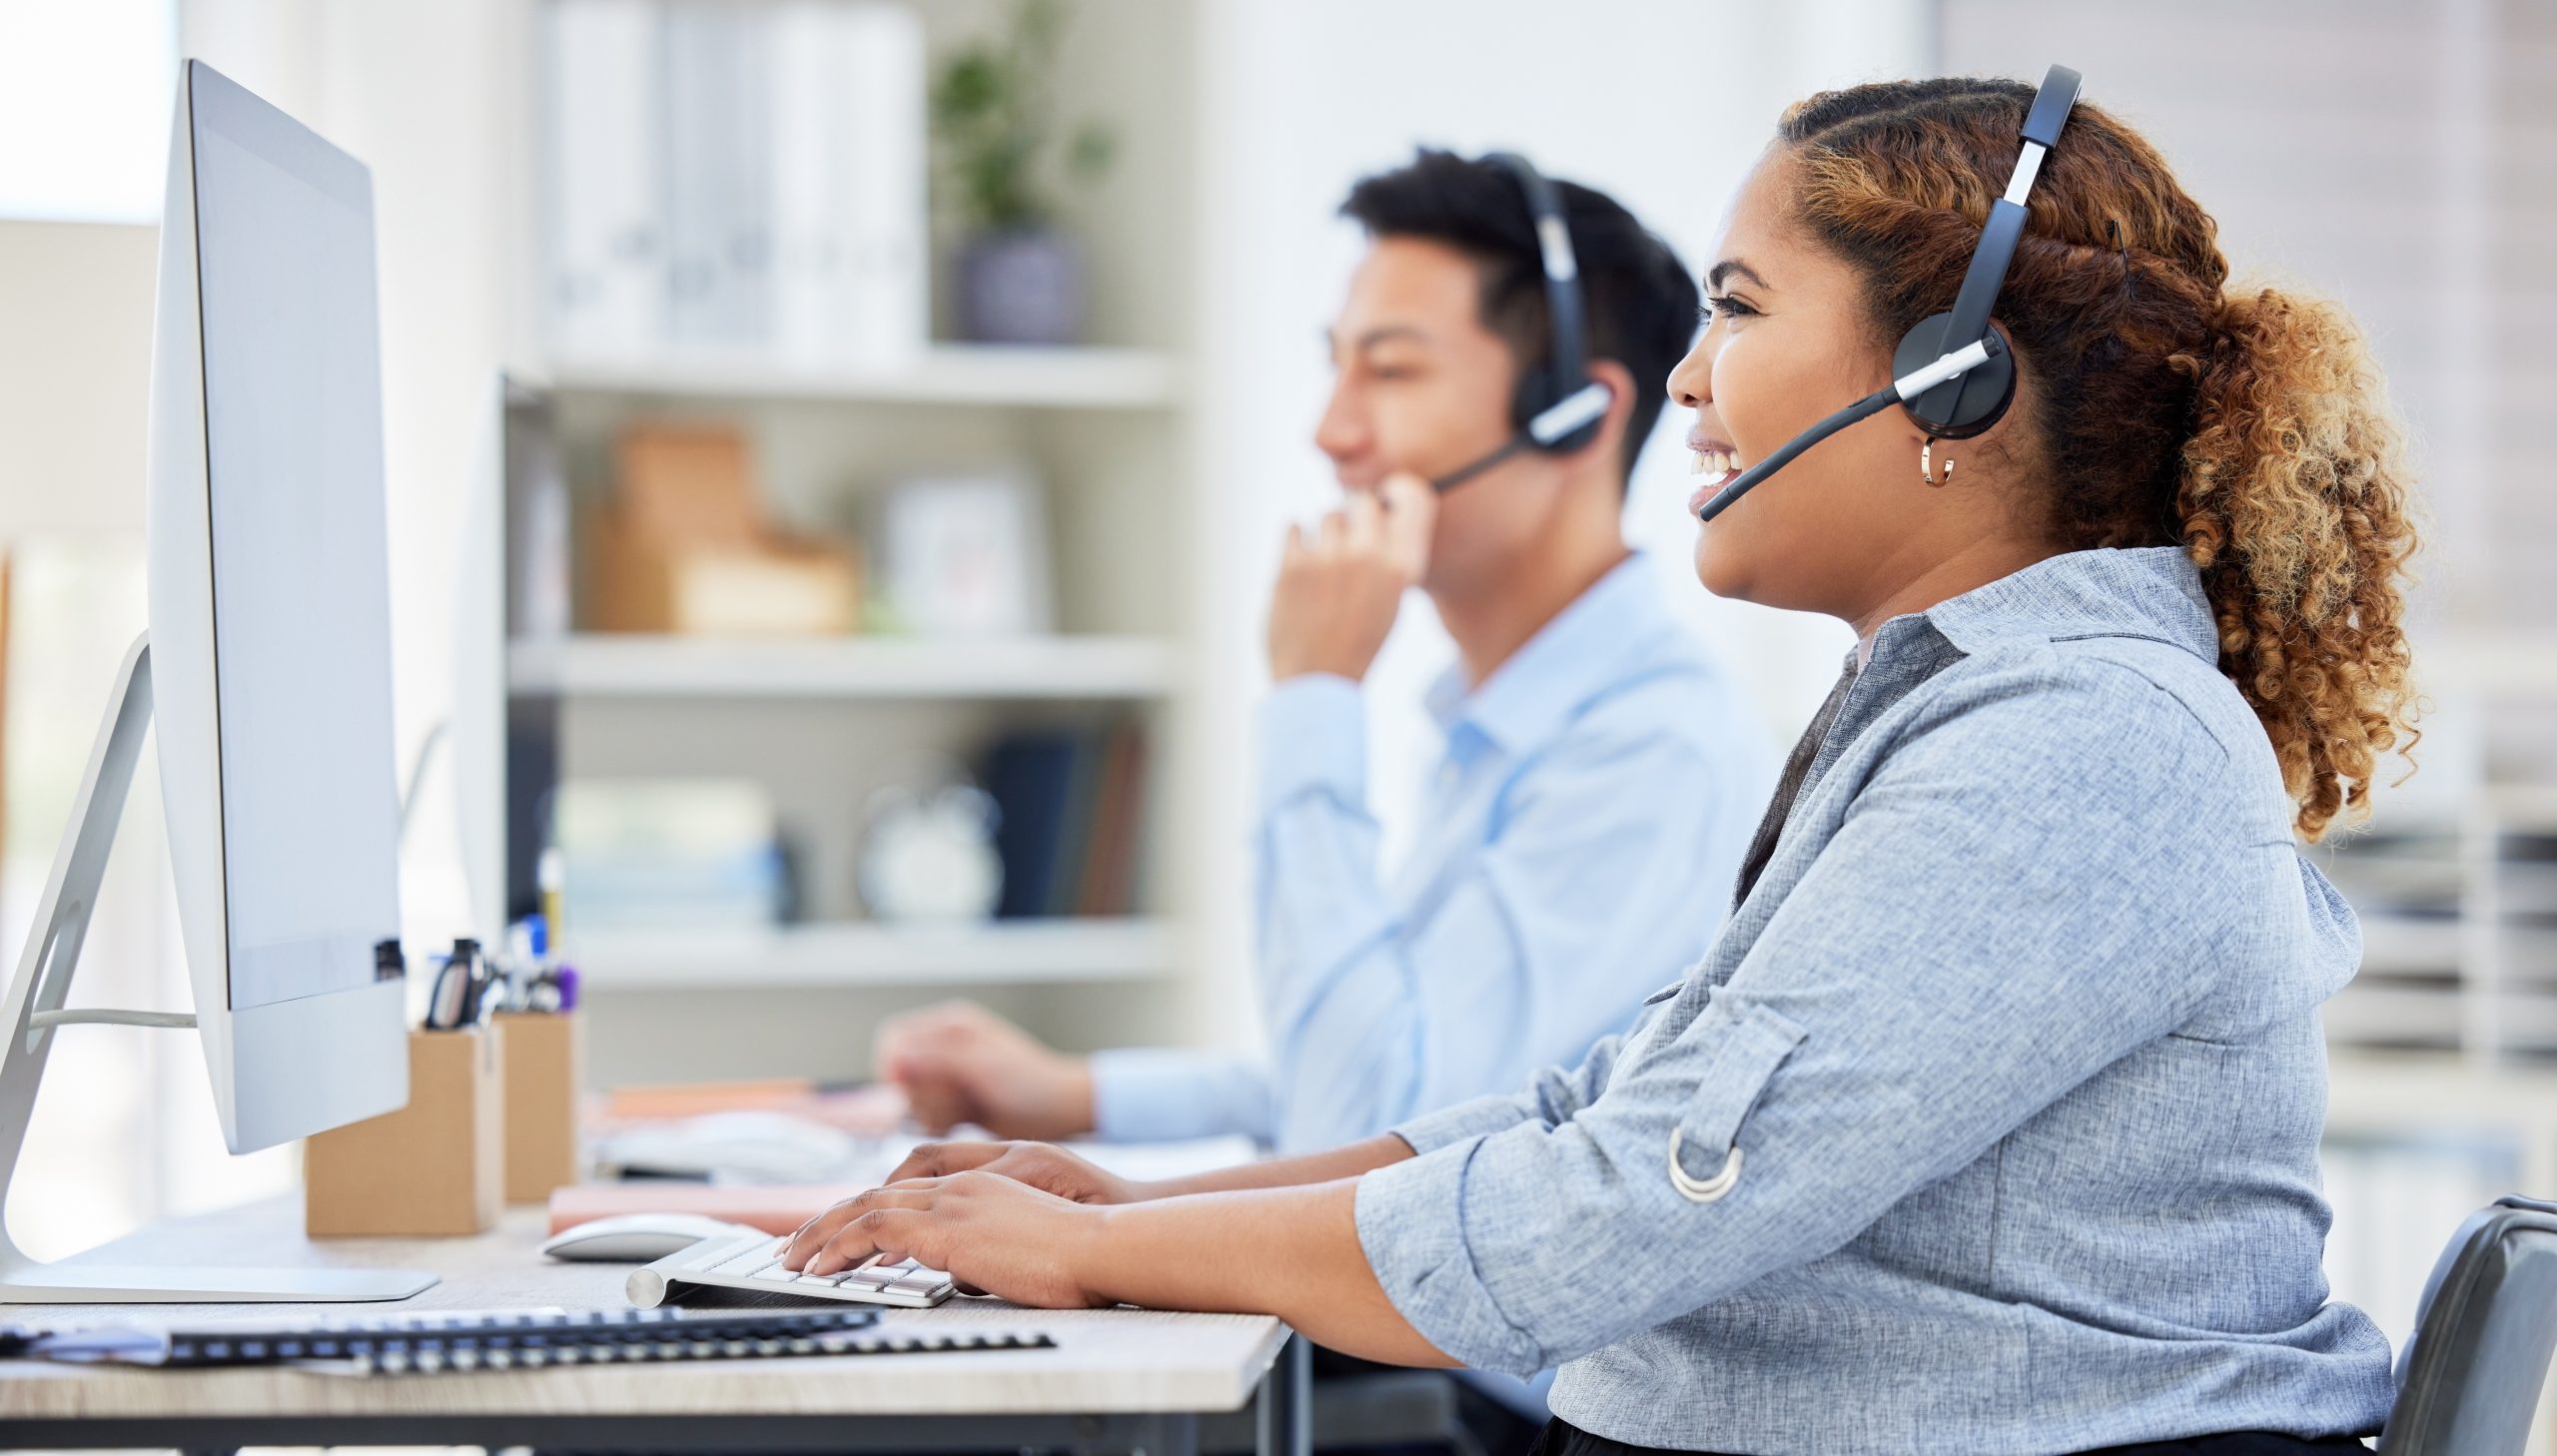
x=1662, y=106
x=75, y=372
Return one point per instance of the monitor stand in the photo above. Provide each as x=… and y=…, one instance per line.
x=35, y=1012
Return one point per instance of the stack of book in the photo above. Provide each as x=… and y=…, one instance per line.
x=651, y=854
x=1073, y=806
x=742, y=178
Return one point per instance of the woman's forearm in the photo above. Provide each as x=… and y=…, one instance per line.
x=1288, y=1172
x=1291, y=1251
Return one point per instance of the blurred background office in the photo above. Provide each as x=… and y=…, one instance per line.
x=838, y=450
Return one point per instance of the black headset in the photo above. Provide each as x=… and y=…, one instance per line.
x=1956, y=377
x=1558, y=407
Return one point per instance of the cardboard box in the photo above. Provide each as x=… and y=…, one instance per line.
x=543, y=1056
x=687, y=483
x=436, y=1166
x=683, y=547
x=645, y=583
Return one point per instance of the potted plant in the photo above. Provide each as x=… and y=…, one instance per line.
x=1020, y=278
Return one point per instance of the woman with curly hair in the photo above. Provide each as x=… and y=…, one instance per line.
x=1989, y=1123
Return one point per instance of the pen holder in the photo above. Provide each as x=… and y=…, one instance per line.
x=543, y=1054
x=436, y=1166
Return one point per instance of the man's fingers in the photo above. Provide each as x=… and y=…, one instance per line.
x=1411, y=515
x=1365, y=518
x=937, y=1103
x=1335, y=531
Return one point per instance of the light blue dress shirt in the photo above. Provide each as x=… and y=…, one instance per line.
x=1989, y=1125
x=1577, y=846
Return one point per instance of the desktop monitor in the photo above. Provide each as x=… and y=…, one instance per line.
x=268, y=669
x=270, y=617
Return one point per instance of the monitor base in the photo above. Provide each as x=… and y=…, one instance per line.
x=198, y=1284
x=33, y=1015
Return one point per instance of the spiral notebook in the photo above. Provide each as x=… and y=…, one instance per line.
x=504, y=1340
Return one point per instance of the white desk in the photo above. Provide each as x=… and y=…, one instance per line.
x=1118, y=1380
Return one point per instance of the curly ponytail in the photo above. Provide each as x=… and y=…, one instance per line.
x=2249, y=428
x=2293, y=504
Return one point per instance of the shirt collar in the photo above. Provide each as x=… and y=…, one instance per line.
x=2148, y=591
x=1571, y=659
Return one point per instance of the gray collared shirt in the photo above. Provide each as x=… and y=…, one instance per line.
x=1997, y=1103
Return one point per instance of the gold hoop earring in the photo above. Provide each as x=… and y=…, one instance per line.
x=1927, y=465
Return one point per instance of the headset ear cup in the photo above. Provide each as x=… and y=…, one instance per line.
x=1958, y=408
x=1535, y=396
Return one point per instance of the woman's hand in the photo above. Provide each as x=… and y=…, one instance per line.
x=1049, y=1168
x=988, y=1232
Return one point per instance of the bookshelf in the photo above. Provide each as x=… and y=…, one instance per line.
x=858, y=954
x=1106, y=427
x=618, y=665
x=994, y=376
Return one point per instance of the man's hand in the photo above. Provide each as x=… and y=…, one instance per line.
x=959, y=1062
x=1338, y=589
x=986, y=1232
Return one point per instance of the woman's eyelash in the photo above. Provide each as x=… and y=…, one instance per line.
x=1722, y=305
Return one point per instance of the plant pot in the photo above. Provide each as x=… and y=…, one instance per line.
x=1021, y=287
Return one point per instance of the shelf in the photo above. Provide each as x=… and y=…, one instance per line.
x=633, y=665
x=878, y=955
x=943, y=373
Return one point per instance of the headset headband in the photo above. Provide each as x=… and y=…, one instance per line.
x=1980, y=282
x=1558, y=407
x=1567, y=354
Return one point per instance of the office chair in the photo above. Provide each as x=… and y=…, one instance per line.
x=2469, y=1380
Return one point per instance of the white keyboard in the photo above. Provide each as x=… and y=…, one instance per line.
x=753, y=1262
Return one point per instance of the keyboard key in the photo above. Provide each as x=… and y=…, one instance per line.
x=746, y=1262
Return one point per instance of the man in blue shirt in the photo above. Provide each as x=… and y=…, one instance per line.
x=1581, y=834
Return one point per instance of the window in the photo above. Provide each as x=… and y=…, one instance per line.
x=86, y=95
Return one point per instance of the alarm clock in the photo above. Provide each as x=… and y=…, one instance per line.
x=928, y=855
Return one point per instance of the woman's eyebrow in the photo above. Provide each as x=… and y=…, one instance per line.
x=1720, y=272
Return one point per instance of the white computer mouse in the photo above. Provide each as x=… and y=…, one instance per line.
x=638, y=1239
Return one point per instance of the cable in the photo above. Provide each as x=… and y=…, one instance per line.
x=418, y=773
x=1464, y=472
x=165, y=1020
x=1905, y=388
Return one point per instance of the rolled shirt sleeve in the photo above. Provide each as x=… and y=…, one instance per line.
x=1552, y=1098
x=2027, y=886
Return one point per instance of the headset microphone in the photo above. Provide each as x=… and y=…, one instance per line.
x=1558, y=406
x=1955, y=375
x=1578, y=410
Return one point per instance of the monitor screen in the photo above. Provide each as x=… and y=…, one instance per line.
x=301, y=600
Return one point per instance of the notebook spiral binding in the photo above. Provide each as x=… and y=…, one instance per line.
x=514, y=1340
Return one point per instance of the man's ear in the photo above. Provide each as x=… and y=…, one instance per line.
x=1620, y=404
